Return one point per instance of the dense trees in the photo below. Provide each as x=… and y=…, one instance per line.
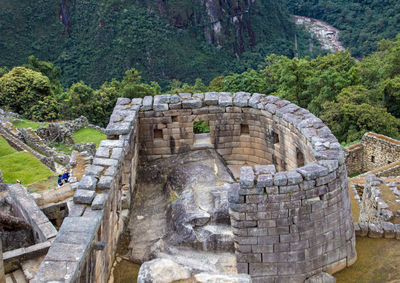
x=351, y=97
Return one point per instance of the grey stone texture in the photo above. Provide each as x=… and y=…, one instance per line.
x=299, y=214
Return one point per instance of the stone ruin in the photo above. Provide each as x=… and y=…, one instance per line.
x=289, y=223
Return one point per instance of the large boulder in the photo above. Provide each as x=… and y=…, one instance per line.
x=162, y=270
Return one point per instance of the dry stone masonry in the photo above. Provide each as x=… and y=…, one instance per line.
x=290, y=212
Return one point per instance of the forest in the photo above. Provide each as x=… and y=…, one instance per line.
x=97, y=40
x=350, y=96
x=363, y=23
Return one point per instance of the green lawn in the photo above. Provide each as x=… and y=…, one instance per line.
x=5, y=148
x=21, y=165
x=24, y=167
x=27, y=124
x=88, y=135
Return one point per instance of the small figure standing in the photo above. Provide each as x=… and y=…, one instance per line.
x=65, y=176
x=60, y=181
x=19, y=182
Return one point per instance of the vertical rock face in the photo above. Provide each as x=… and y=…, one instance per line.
x=225, y=23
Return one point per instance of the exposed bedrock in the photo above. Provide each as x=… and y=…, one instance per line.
x=181, y=204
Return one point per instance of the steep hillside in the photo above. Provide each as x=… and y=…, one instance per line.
x=362, y=22
x=96, y=40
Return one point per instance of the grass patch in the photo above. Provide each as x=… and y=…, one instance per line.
x=18, y=123
x=354, y=174
x=43, y=185
x=88, y=135
x=5, y=148
x=24, y=167
x=63, y=147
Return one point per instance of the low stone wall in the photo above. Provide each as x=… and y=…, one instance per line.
x=84, y=248
x=354, y=158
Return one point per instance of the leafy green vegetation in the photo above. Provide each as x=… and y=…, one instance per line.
x=201, y=127
x=88, y=135
x=98, y=40
x=362, y=23
x=21, y=165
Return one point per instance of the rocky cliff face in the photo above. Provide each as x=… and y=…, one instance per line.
x=225, y=23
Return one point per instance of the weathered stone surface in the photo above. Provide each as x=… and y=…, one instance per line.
x=225, y=99
x=375, y=231
x=105, y=182
x=294, y=178
x=265, y=181
x=162, y=271
x=312, y=171
x=147, y=103
x=190, y=104
x=84, y=196
x=281, y=179
x=256, y=99
x=222, y=278
x=264, y=169
x=246, y=177
x=87, y=183
x=241, y=99
x=211, y=98
x=388, y=230
x=322, y=277
x=99, y=201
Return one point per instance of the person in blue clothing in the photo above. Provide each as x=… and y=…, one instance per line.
x=65, y=176
x=60, y=181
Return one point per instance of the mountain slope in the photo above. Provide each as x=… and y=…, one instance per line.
x=96, y=40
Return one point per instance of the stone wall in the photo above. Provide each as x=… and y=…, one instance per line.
x=287, y=225
x=84, y=248
x=241, y=134
x=354, y=158
x=379, y=151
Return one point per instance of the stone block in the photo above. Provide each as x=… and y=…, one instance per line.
x=263, y=269
x=265, y=181
x=375, y=231
x=241, y=99
x=105, y=162
x=255, y=99
x=84, y=196
x=99, y=201
x=191, y=104
x=105, y=182
x=288, y=189
x=93, y=170
x=388, y=230
x=111, y=143
x=147, y=103
x=312, y=171
x=246, y=177
x=87, y=183
x=280, y=179
x=264, y=169
x=225, y=99
x=123, y=101
x=120, y=128
x=397, y=231
x=322, y=277
x=137, y=101
x=294, y=177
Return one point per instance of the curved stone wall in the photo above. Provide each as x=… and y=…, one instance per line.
x=288, y=225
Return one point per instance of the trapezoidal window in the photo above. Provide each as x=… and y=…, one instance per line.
x=201, y=131
x=373, y=159
x=275, y=137
x=300, y=158
x=244, y=129
x=158, y=134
